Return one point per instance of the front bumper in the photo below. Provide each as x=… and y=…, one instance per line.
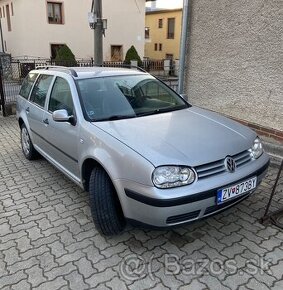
x=170, y=207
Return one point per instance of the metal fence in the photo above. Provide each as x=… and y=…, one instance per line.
x=13, y=72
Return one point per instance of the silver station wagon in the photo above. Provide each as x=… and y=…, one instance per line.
x=142, y=152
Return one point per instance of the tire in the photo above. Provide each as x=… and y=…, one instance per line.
x=27, y=147
x=105, y=206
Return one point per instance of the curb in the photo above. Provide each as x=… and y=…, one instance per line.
x=274, y=150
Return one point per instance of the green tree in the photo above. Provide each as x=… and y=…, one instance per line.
x=64, y=56
x=132, y=54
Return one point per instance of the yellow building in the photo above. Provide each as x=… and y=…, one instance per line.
x=162, y=33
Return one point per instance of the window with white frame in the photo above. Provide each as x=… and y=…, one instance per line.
x=55, y=12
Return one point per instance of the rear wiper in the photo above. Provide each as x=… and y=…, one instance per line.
x=115, y=117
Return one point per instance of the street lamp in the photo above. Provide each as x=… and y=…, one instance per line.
x=92, y=21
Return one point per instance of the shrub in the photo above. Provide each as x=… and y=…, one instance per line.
x=132, y=54
x=64, y=56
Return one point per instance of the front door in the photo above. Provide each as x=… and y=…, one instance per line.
x=62, y=138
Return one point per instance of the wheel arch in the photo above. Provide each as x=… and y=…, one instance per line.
x=21, y=122
x=24, y=121
x=86, y=169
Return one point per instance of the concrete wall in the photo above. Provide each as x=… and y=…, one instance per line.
x=32, y=35
x=235, y=59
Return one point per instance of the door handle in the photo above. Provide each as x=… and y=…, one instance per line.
x=27, y=109
x=45, y=121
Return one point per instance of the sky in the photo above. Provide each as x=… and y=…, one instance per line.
x=167, y=4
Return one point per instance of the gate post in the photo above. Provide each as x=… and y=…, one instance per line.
x=2, y=93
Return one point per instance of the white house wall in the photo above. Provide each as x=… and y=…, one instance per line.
x=126, y=22
x=32, y=35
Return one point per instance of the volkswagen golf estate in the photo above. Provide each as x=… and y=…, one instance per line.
x=143, y=153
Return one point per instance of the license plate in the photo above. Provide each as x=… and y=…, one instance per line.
x=230, y=192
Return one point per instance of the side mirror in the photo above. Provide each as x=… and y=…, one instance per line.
x=62, y=116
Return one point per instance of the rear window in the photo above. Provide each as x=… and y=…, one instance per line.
x=27, y=84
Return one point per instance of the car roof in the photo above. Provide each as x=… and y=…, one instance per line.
x=90, y=72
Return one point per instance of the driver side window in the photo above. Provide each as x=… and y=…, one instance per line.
x=61, y=97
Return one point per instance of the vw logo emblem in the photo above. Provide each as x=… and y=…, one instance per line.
x=230, y=164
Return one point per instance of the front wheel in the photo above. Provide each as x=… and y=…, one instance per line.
x=105, y=206
x=27, y=146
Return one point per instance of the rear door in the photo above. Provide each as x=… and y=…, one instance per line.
x=22, y=98
x=35, y=108
x=62, y=138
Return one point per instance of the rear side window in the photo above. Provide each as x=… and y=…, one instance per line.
x=40, y=89
x=27, y=84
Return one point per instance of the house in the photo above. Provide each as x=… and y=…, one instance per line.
x=162, y=33
x=36, y=28
x=234, y=60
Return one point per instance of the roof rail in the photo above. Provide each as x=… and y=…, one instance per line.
x=124, y=66
x=47, y=67
x=138, y=68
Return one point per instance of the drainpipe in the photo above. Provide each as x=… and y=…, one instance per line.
x=183, y=45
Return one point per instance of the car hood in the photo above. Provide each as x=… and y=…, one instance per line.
x=192, y=136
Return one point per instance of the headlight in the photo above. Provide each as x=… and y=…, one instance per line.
x=257, y=148
x=172, y=176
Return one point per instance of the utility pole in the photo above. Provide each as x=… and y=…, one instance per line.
x=98, y=32
x=183, y=45
x=2, y=42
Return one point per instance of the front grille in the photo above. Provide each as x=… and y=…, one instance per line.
x=242, y=158
x=217, y=167
x=182, y=217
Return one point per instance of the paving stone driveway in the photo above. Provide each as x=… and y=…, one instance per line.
x=48, y=240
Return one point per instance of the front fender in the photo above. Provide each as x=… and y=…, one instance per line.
x=119, y=160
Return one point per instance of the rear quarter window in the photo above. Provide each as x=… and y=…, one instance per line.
x=27, y=85
x=40, y=89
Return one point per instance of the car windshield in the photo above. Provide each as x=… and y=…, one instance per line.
x=127, y=96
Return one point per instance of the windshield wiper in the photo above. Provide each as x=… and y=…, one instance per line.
x=115, y=117
x=162, y=110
